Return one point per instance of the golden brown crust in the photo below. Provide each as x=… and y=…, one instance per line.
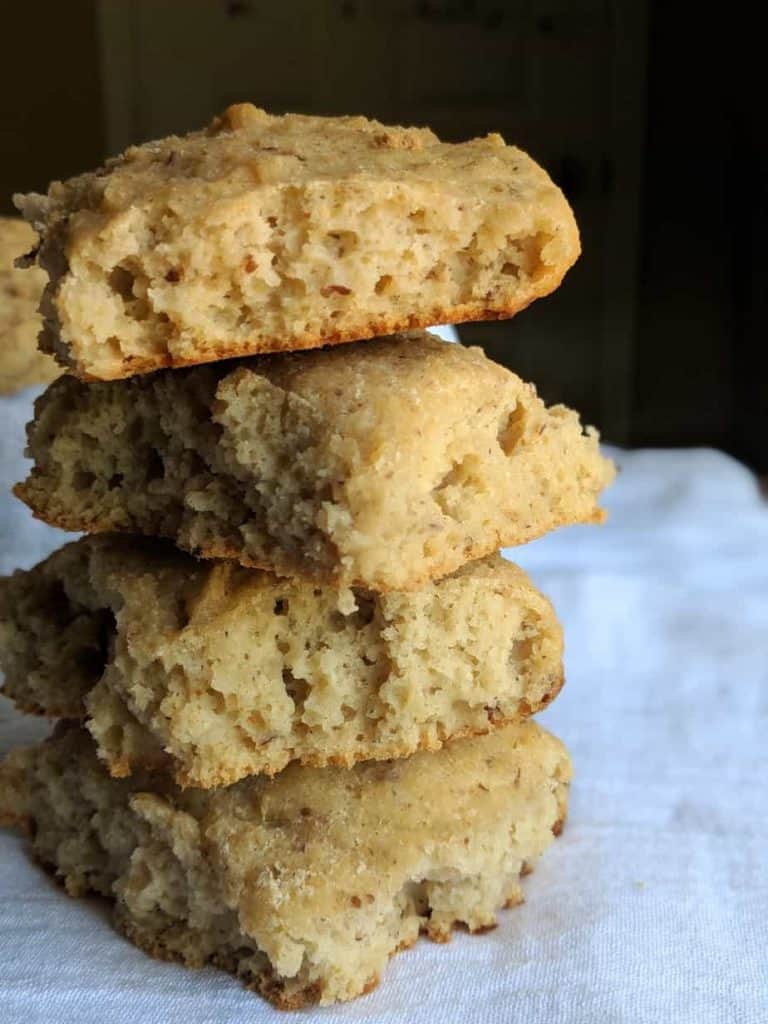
x=120, y=769
x=455, y=559
x=271, y=987
x=381, y=464
x=474, y=551
x=186, y=779
x=313, y=675
x=469, y=312
x=427, y=742
x=364, y=199
x=19, y=822
x=275, y=880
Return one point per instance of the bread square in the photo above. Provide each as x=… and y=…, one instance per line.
x=266, y=233
x=214, y=672
x=305, y=884
x=383, y=464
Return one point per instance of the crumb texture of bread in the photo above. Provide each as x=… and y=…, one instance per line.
x=302, y=885
x=22, y=364
x=268, y=233
x=382, y=464
x=216, y=672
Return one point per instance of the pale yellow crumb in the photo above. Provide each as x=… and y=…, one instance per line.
x=304, y=885
x=382, y=464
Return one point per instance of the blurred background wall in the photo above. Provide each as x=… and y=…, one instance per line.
x=646, y=113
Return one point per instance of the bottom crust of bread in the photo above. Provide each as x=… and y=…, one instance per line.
x=302, y=885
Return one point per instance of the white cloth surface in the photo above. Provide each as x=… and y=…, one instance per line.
x=652, y=907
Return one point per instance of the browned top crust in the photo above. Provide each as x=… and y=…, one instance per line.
x=384, y=464
x=264, y=233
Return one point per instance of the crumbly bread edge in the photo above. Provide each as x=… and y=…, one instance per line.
x=24, y=492
x=219, y=350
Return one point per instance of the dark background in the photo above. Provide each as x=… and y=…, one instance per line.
x=648, y=114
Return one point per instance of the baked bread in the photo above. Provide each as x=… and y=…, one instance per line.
x=267, y=233
x=215, y=672
x=22, y=364
x=383, y=464
x=305, y=884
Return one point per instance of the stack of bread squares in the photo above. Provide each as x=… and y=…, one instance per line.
x=294, y=676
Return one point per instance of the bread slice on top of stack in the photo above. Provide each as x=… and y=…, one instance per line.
x=296, y=677
x=263, y=234
x=382, y=464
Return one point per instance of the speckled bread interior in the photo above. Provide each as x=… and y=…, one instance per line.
x=22, y=364
x=383, y=464
x=215, y=672
x=303, y=885
x=267, y=233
